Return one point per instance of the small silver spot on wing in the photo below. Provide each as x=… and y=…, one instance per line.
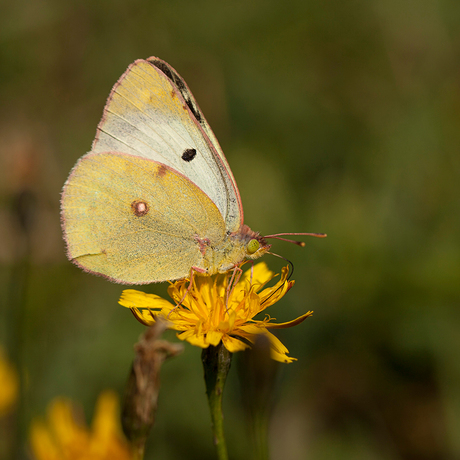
x=140, y=208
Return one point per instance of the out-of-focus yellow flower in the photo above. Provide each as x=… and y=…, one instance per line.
x=9, y=385
x=65, y=436
x=210, y=311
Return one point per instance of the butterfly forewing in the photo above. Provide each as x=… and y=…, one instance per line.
x=151, y=113
x=192, y=104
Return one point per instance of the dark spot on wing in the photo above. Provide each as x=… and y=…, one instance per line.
x=161, y=171
x=140, y=208
x=189, y=154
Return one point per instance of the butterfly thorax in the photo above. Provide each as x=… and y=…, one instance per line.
x=233, y=249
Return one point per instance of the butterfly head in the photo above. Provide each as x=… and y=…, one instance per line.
x=257, y=247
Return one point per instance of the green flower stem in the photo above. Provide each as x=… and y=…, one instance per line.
x=216, y=364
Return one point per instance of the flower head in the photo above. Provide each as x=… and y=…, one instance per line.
x=214, y=309
x=65, y=437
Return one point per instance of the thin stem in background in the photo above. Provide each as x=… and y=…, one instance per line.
x=23, y=211
x=258, y=376
x=142, y=389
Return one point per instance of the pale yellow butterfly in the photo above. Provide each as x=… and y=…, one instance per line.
x=155, y=198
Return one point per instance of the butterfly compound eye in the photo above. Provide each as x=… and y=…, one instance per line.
x=252, y=246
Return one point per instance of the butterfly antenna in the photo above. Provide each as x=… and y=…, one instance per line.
x=278, y=236
x=286, y=260
x=288, y=278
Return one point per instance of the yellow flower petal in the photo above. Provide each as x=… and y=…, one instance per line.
x=199, y=340
x=271, y=295
x=281, y=357
x=277, y=350
x=260, y=274
x=131, y=298
x=214, y=337
x=276, y=344
x=253, y=328
x=292, y=323
x=233, y=345
x=145, y=317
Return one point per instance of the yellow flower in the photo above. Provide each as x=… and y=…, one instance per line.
x=66, y=437
x=9, y=385
x=205, y=316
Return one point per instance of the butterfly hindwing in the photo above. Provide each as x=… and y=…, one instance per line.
x=143, y=219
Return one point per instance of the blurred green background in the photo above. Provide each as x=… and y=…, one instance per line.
x=336, y=117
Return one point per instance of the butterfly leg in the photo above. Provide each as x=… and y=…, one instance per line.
x=252, y=270
x=236, y=275
x=189, y=287
x=240, y=272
